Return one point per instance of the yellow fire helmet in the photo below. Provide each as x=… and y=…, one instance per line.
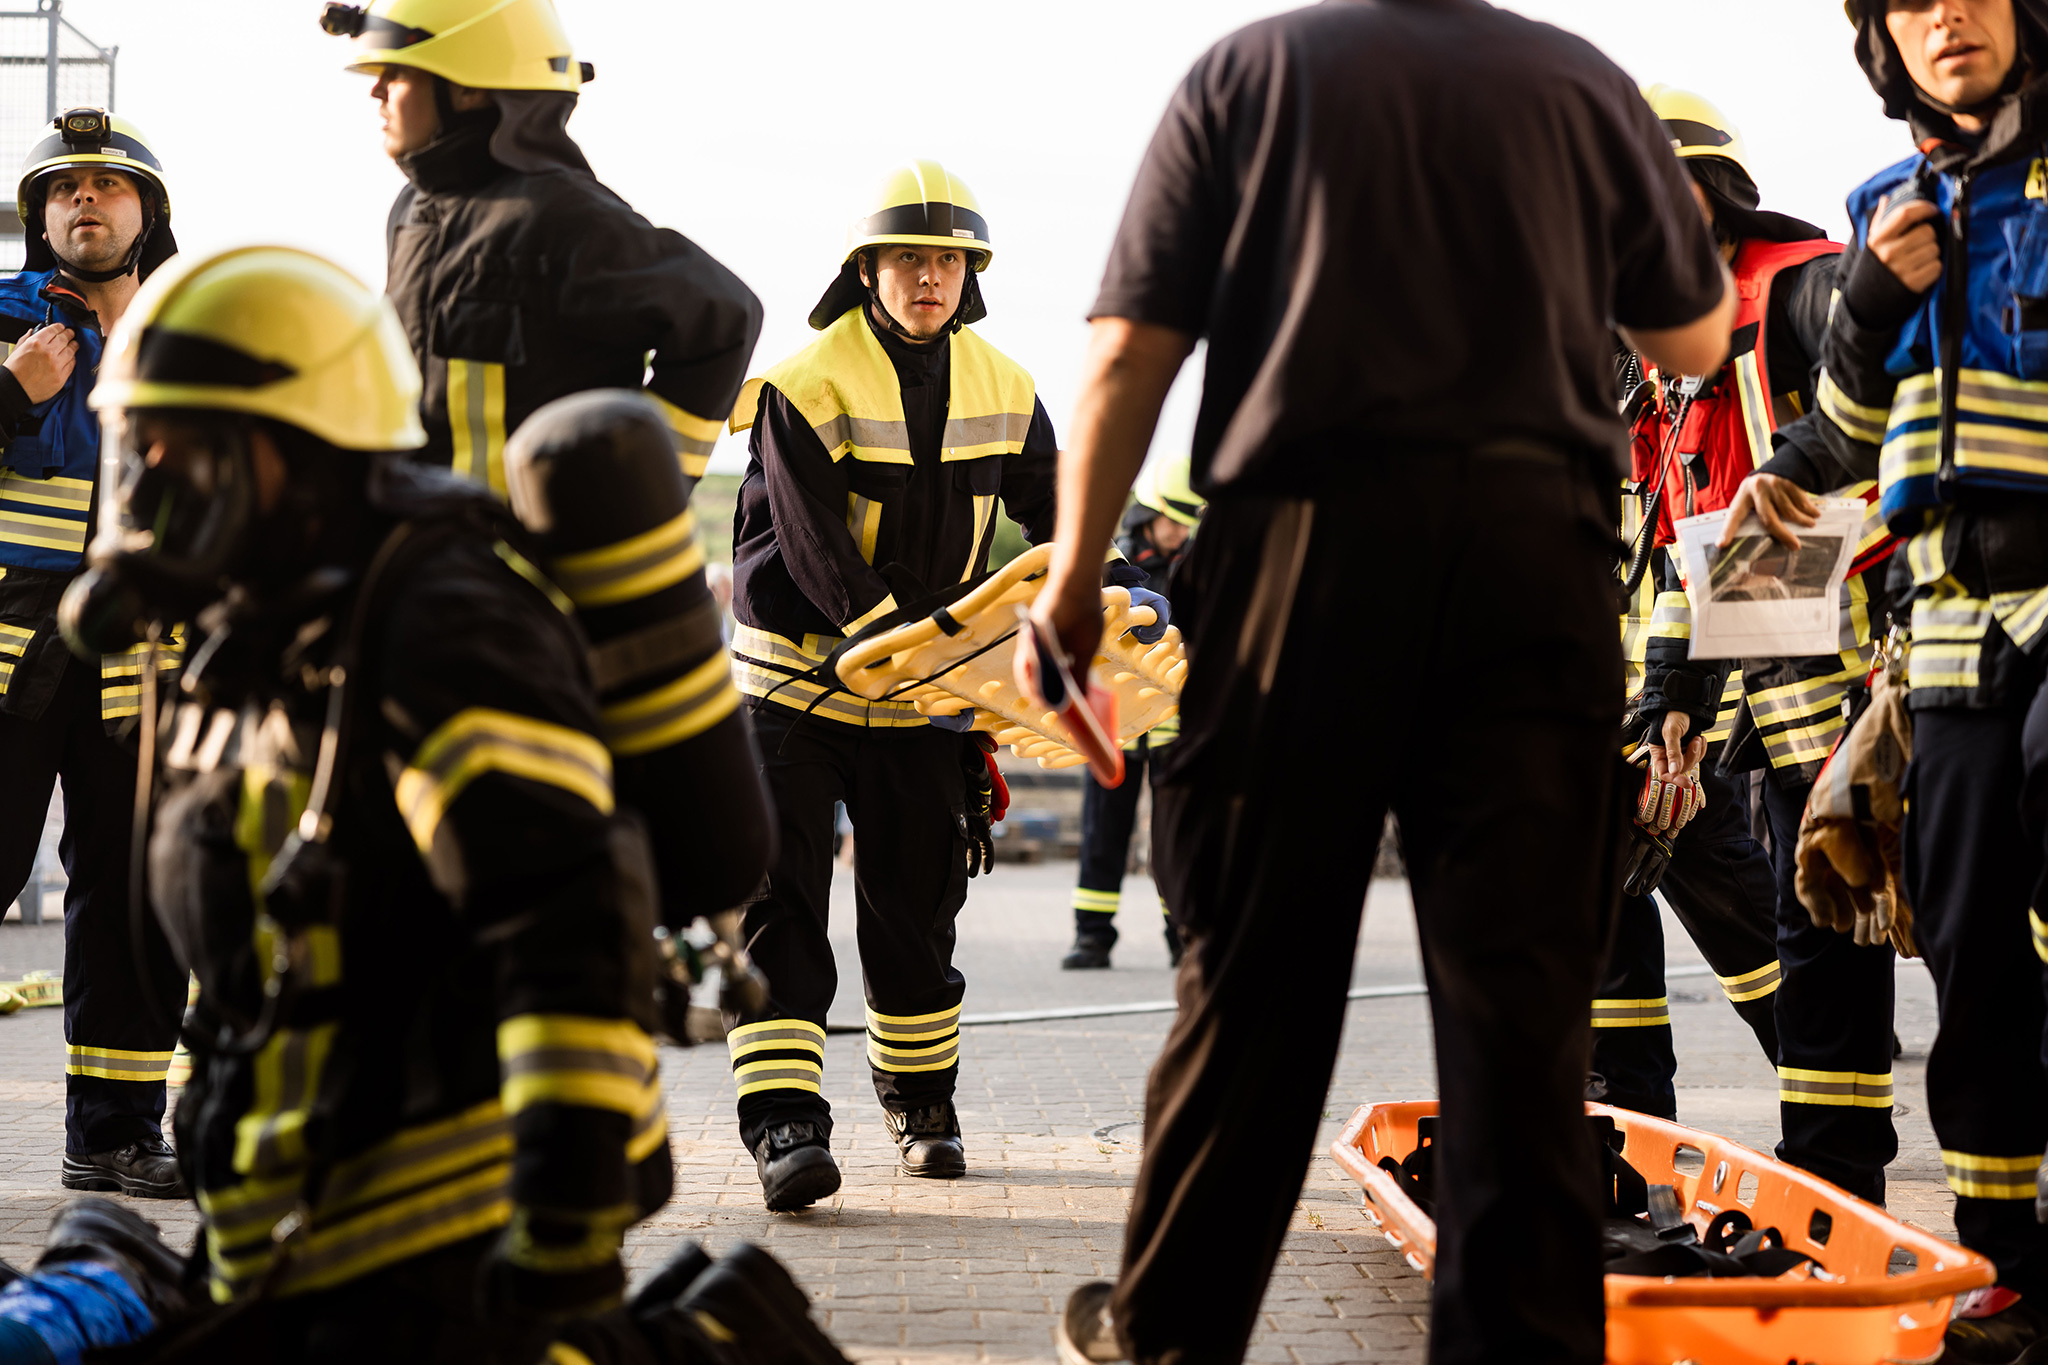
x=483, y=44
x=1165, y=487
x=1696, y=127
x=273, y=332
x=922, y=204
x=89, y=137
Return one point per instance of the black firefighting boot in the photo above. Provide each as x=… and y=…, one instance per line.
x=1995, y=1327
x=1090, y=951
x=797, y=1169
x=144, y=1170
x=929, y=1139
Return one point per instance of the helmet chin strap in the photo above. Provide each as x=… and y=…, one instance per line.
x=889, y=319
x=129, y=263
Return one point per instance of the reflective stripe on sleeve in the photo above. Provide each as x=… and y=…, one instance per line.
x=633, y=567
x=692, y=436
x=1858, y=421
x=574, y=1059
x=675, y=711
x=480, y=741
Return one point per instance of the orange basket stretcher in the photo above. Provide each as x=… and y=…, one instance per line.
x=1884, y=1295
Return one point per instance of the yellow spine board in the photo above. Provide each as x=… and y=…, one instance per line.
x=965, y=671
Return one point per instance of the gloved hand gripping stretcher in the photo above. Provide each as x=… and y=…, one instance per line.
x=961, y=657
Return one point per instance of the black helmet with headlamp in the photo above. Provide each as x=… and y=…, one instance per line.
x=87, y=137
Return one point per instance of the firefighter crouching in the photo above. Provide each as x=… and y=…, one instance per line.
x=424, y=1106
x=1163, y=515
x=97, y=217
x=519, y=277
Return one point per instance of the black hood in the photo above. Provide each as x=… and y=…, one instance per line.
x=1734, y=197
x=2015, y=123
x=524, y=131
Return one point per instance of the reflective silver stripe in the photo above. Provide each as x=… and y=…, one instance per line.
x=575, y=1059
x=1631, y=1013
x=977, y=431
x=902, y=1059
x=896, y=1028
x=865, y=433
x=1798, y=1086
x=44, y=533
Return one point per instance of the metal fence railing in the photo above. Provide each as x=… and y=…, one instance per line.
x=46, y=65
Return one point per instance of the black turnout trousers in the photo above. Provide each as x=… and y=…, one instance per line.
x=1320, y=653
x=1976, y=815
x=1834, y=1030
x=1108, y=815
x=905, y=790
x=1719, y=885
x=117, y=1051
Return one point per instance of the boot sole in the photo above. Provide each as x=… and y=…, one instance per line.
x=804, y=1186
x=934, y=1170
x=1069, y=965
x=97, y=1180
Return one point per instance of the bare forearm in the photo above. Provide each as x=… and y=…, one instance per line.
x=1130, y=367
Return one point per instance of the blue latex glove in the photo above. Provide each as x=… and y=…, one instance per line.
x=959, y=724
x=1154, y=633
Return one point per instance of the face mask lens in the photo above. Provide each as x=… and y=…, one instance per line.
x=186, y=492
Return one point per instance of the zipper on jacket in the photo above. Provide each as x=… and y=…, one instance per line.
x=1955, y=302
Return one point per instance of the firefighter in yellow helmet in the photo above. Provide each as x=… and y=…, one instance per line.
x=424, y=1107
x=879, y=455
x=1163, y=514
x=96, y=215
x=520, y=278
x=1695, y=444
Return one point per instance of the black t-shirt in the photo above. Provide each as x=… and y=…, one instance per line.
x=1404, y=225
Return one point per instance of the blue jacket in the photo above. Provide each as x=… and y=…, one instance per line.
x=50, y=462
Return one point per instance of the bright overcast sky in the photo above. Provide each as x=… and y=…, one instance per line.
x=756, y=128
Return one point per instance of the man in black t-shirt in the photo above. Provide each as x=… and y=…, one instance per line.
x=1408, y=233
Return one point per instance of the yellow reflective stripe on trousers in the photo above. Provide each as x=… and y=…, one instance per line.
x=677, y=710
x=633, y=567
x=480, y=741
x=115, y=1064
x=692, y=436
x=1992, y=1177
x=2040, y=935
x=1858, y=421
x=1631, y=1013
x=1100, y=902
x=777, y=1054
x=1849, y=1089
x=1752, y=985
x=575, y=1059
x=914, y=1042
x=476, y=421
x=864, y=520
x=119, y=697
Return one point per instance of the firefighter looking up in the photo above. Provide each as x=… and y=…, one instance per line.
x=519, y=277
x=97, y=218
x=1693, y=446
x=424, y=1106
x=1162, y=516
x=878, y=457
x=1834, y=998
x=1932, y=374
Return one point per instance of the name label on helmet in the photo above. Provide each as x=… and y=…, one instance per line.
x=963, y=232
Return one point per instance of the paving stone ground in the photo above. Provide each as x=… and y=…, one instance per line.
x=972, y=1270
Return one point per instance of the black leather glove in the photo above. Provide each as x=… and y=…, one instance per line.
x=977, y=824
